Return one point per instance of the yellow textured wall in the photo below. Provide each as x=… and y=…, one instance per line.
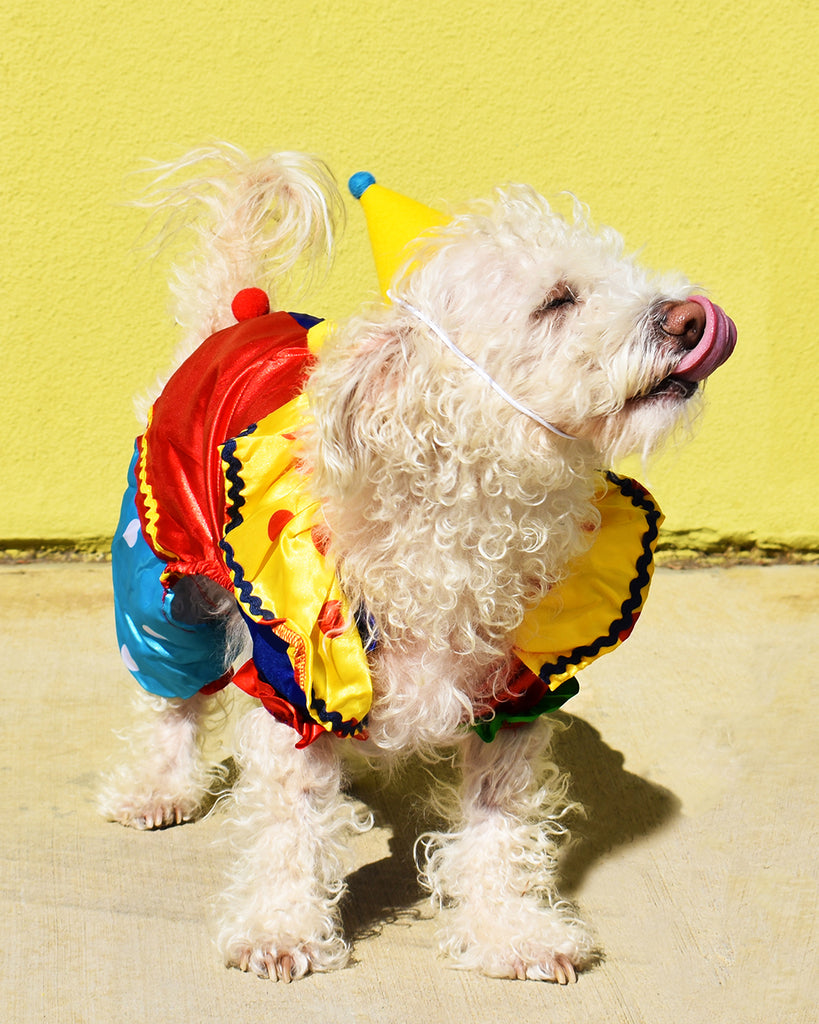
x=690, y=127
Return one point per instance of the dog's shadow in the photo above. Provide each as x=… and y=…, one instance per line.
x=620, y=808
x=387, y=890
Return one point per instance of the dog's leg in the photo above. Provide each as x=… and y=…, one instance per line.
x=288, y=824
x=496, y=870
x=167, y=778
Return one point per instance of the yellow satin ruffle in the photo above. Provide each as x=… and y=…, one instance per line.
x=594, y=609
x=281, y=576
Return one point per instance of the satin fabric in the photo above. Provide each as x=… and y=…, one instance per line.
x=233, y=379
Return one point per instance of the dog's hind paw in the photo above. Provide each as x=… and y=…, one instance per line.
x=150, y=810
x=158, y=815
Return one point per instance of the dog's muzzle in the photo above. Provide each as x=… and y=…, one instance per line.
x=705, y=331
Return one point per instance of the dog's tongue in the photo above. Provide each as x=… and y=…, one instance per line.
x=716, y=344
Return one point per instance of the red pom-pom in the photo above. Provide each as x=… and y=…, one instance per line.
x=250, y=302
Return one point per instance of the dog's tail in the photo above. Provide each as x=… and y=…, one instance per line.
x=267, y=223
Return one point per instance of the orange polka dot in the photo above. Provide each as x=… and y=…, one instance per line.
x=280, y=518
x=330, y=620
x=321, y=539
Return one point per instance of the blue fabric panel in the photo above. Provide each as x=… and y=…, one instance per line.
x=273, y=664
x=166, y=657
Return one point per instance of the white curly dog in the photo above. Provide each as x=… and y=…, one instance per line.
x=423, y=479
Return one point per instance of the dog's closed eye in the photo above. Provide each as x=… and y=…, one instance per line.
x=558, y=298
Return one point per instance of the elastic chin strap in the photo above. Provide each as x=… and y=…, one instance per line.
x=450, y=344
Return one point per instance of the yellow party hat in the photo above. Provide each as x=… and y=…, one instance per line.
x=393, y=222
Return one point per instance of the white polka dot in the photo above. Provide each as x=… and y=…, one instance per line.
x=131, y=533
x=151, y=632
x=128, y=661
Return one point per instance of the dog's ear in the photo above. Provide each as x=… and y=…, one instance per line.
x=361, y=375
x=378, y=367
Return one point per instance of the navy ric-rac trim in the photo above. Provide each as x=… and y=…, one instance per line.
x=641, y=579
x=236, y=501
x=340, y=727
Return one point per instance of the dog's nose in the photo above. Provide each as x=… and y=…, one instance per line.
x=686, y=322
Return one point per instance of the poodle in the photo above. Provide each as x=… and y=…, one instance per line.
x=400, y=533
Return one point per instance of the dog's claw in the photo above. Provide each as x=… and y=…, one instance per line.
x=565, y=973
x=286, y=969
x=158, y=817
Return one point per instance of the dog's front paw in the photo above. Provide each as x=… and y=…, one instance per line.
x=527, y=962
x=537, y=966
x=540, y=944
x=286, y=961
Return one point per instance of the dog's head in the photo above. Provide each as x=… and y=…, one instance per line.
x=522, y=339
x=562, y=320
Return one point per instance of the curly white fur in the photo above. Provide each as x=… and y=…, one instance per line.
x=254, y=222
x=287, y=830
x=450, y=514
x=496, y=507
x=496, y=869
x=167, y=779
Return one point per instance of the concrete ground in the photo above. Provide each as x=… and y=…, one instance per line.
x=694, y=748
